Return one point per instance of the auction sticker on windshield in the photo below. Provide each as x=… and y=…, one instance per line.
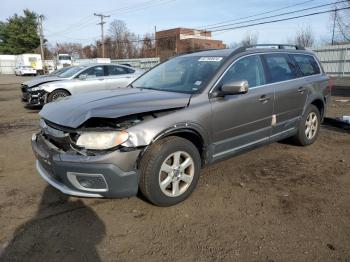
x=210, y=59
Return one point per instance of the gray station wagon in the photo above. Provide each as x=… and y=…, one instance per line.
x=184, y=114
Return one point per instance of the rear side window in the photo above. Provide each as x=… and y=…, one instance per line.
x=280, y=67
x=117, y=70
x=307, y=65
x=96, y=71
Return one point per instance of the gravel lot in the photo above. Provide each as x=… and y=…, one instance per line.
x=276, y=203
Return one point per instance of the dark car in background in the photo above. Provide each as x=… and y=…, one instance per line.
x=186, y=113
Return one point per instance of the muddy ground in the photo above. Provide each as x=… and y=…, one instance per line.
x=277, y=203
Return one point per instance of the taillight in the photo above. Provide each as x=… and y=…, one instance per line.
x=330, y=84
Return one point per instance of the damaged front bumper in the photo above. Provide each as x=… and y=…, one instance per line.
x=111, y=175
x=33, y=98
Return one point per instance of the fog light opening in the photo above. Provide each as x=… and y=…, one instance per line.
x=88, y=182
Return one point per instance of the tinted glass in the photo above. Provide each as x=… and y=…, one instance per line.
x=95, y=71
x=117, y=70
x=187, y=74
x=280, y=67
x=64, y=57
x=307, y=64
x=249, y=68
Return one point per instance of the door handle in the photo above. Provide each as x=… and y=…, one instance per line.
x=301, y=90
x=264, y=99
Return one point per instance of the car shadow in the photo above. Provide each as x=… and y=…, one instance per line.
x=63, y=229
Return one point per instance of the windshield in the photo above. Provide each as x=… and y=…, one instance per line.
x=60, y=71
x=64, y=57
x=181, y=74
x=71, y=71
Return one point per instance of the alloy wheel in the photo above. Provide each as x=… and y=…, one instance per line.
x=176, y=174
x=311, y=125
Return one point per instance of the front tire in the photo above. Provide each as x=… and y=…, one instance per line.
x=169, y=171
x=309, y=127
x=56, y=95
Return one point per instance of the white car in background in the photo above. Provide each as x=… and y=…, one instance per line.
x=80, y=79
x=25, y=70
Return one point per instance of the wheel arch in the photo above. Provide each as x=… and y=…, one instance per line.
x=320, y=106
x=60, y=89
x=187, y=131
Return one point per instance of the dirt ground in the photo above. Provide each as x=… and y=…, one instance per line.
x=276, y=203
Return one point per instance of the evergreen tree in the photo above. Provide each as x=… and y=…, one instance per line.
x=19, y=34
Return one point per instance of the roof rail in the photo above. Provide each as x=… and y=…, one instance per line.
x=278, y=46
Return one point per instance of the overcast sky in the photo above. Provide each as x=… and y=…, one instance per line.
x=73, y=20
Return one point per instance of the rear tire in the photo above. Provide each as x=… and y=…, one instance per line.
x=309, y=127
x=169, y=171
x=57, y=94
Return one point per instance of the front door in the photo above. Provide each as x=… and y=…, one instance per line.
x=242, y=121
x=94, y=80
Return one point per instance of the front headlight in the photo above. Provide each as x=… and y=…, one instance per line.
x=102, y=140
x=37, y=88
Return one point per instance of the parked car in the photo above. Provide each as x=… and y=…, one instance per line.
x=77, y=80
x=25, y=70
x=186, y=113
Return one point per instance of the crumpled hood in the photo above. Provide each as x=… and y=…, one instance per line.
x=73, y=111
x=42, y=80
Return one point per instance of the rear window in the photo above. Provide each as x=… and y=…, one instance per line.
x=280, y=67
x=307, y=64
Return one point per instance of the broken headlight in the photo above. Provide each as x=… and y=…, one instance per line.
x=102, y=140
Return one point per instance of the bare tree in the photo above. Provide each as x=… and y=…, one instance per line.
x=342, y=22
x=89, y=51
x=249, y=39
x=119, y=35
x=69, y=48
x=304, y=37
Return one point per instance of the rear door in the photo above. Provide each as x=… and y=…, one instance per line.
x=118, y=76
x=290, y=91
x=242, y=121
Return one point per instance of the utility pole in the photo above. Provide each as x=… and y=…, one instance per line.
x=41, y=35
x=335, y=18
x=155, y=41
x=102, y=36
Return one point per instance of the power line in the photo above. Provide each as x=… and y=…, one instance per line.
x=123, y=10
x=277, y=15
x=280, y=20
x=243, y=26
x=258, y=14
x=137, y=7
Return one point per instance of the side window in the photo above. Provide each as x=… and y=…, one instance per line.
x=117, y=70
x=280, y=67
x=249, y=68
x=307, y=64
x=92, y=72
x=130, y=71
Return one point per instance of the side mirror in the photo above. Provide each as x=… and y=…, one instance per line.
x=234, y=88
x=82, y=76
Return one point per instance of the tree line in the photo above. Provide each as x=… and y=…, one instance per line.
x=19, y=34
